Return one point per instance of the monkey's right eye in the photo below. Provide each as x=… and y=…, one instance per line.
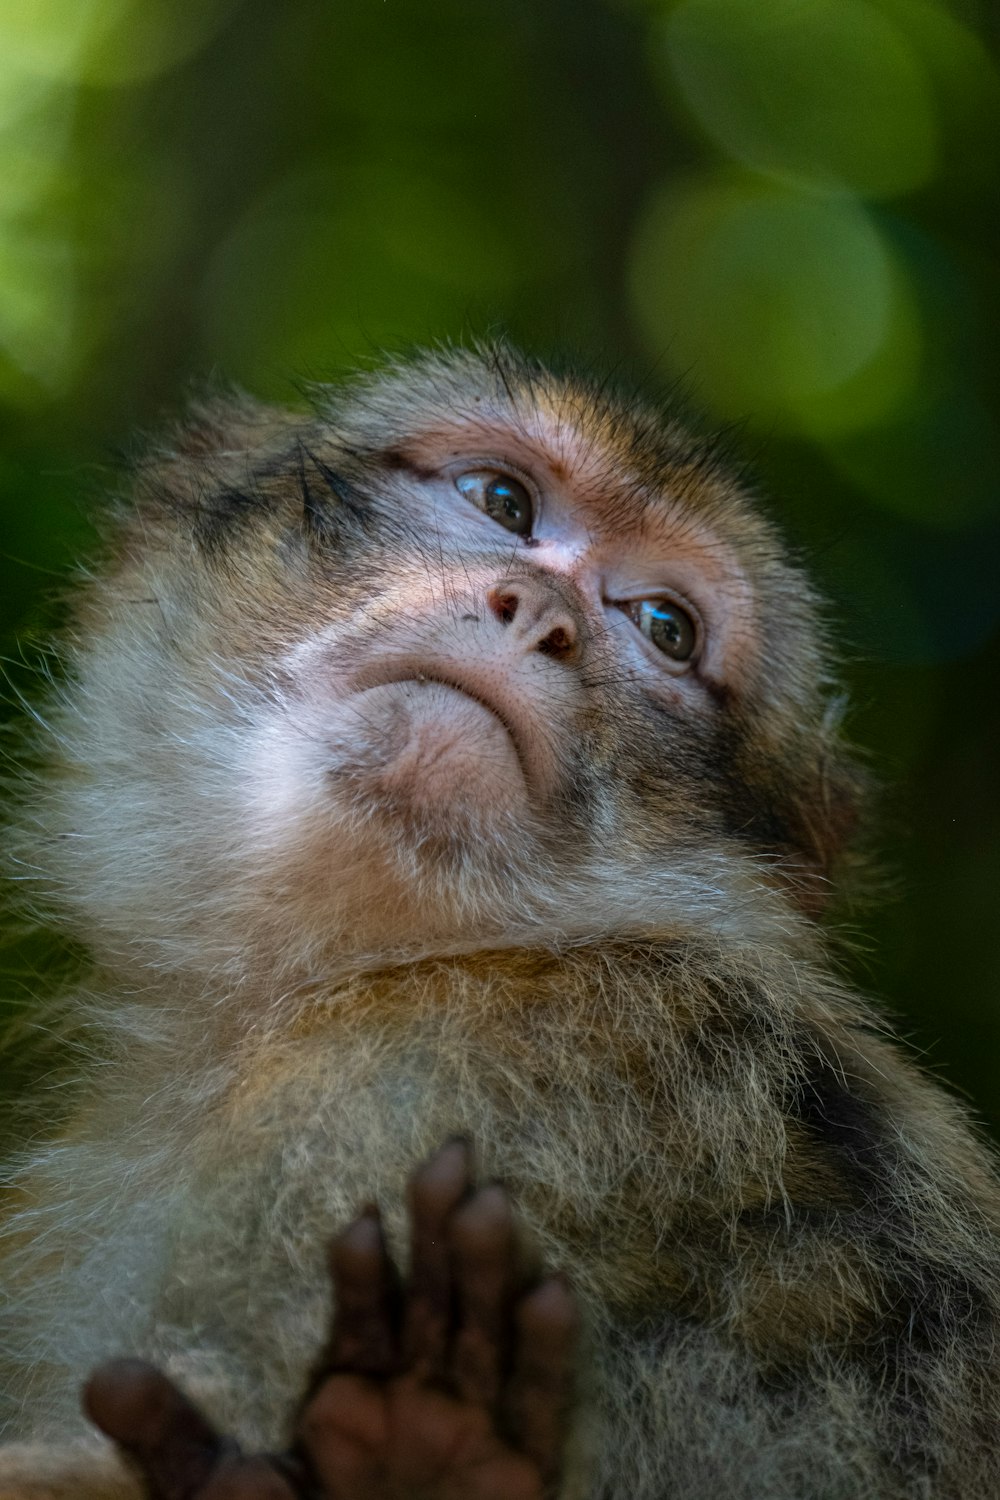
x=500, y=496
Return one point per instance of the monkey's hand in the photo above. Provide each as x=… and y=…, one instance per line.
x=456, y=1386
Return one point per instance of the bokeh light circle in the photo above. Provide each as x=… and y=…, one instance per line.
x=106, y=42
x=779, y=307
x=829, y=93
x=332, y=266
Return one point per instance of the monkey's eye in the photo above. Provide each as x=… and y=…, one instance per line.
x=502, y=497
x=670, y=628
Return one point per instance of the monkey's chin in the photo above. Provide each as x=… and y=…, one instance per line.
x=426, y=754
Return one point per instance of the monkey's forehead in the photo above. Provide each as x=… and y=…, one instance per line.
x=582, y=429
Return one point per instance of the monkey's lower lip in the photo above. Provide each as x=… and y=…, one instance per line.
x=387, y=675
x=467, y=743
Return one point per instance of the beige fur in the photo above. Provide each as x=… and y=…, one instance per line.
x=322, y=943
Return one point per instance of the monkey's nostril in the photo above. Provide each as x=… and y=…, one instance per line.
x=503, y=605
x=558, y=642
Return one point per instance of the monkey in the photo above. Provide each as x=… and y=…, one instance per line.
x=463, y=758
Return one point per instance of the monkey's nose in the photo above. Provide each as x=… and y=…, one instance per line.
x=537, y=618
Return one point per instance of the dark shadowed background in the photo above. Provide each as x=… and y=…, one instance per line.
x=790, y=205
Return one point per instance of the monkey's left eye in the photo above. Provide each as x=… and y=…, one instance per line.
x=502, y=497
x=670, y=628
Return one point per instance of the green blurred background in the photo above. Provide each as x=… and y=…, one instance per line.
x=790, y=205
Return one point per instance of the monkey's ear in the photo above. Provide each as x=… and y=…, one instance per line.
x=825, y=818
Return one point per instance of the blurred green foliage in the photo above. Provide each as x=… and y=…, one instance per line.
x=790, y=205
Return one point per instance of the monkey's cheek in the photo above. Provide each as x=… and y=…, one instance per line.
x=429, y=748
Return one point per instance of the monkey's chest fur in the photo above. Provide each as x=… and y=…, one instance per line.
x=788, y=1293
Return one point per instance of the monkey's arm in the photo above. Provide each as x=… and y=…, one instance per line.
x=455, y=1386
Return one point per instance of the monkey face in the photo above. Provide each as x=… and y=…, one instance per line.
x=474, y=654
x=476, y=687
x=502, y=668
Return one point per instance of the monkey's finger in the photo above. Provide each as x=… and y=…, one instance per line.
x=175, y=1448
x=540, y=1394
x=484, y=1249
x=365, y=1334
x=241, y=1478
x=435, y=1190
